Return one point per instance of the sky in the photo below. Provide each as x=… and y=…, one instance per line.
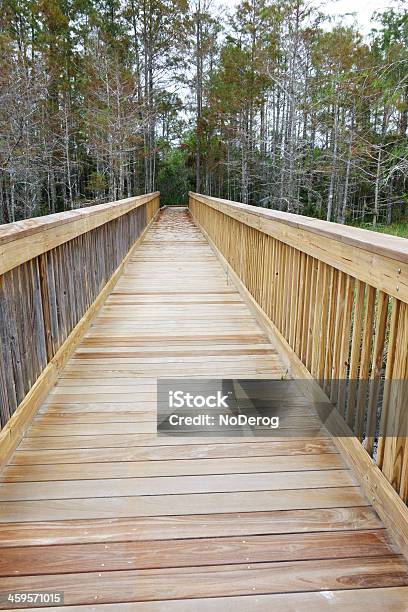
x=363, y=10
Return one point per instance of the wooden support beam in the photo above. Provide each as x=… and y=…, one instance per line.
x=13, y=431
x=24, y=240
x=377, y=259
x=385, y=500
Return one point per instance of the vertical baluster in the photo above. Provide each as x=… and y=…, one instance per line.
x=355, y=352
x=365, y=360
x=272, y=276
x=288, y=285
x=338, y=327
x=376, y=366
x=8, y=391
x=331, y=322
x=301, y=301
x=317, y=320
x=311, y=317
x=294, y=298
x=385, y=428
x=345, y=344
x=322, y=329
x=395, y=450
x=306, y=306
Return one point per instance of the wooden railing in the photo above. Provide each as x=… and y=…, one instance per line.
x=52, y=270
x=337, y=297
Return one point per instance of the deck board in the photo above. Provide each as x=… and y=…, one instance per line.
x=93, y=503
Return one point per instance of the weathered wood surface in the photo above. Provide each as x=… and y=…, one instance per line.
x=51, y=271
x=94, y=504
x=392, y=247
x=350, y=600
x=338, y=296
x=23, y=240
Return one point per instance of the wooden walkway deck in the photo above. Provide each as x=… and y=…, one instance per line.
x=95, y=505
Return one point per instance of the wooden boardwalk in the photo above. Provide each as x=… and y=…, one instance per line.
x=95, y=505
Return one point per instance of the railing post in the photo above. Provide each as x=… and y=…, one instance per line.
x=338, y=297
x=53, y=270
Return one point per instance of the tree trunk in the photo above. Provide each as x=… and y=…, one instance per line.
x=342, y=217
x=334, y=167
x=199, y=95
x=376, y=210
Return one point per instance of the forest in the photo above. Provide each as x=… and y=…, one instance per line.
x=267, y=102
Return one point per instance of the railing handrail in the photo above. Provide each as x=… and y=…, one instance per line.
x=23, y=240
x=378, y=259
x=322, y=292
x=394, y=247
x=55, y=272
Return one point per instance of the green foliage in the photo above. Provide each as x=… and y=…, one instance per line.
x=267, y=104
x=399, y=228
x=173, y=179
x=96, y=183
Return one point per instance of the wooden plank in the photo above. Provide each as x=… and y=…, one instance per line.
x=148, y=585
x=157, y=505
x=72, y=415
x=176, y=467
x=81, y=454
x=376, y=599
x=283, y=445
x=188, y=526
x=184, y=552
x=169, y=485
x=302, y=424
